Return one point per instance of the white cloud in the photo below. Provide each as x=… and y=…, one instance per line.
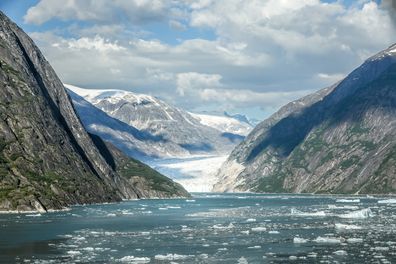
x=136, y=11
x=96, y=43
x=258, y=52
x=194, y=82
x=333, y=78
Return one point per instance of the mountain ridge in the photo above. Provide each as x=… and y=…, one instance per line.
x=326, y=141
x=175, y=132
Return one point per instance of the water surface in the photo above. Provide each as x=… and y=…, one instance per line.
x=209, y=228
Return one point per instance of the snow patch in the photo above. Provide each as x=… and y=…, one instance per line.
x=223, y=124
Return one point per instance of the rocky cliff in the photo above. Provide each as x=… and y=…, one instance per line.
x=47, y=159
x=341, y=139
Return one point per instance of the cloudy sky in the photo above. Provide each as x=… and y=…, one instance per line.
x=246, y=56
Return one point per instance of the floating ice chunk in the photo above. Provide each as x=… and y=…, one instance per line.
x=327, y=240
x=351, y=207
x=190, y=201
x=250, y=220
x=347, y=227
x=231, y=225
x=360, y=214
x=33, y=215
x=172, y=257
x=381, y=248
x=222, y=249
x=388, y=201
x=293, y=258
x=135, y=260
x=312, y=255
x=296, y=212
x=111, y=215
x=245, y=232
x=299, y=240
x=274, y=232
x=145, y=233
x=340, y=253
x=173, y=207
x=259, y=229
x=73, y=252
x=242, y=260
x=126, y=212
x=355, y=240
x=185, y=228
x=348, y=201
x=254, y=247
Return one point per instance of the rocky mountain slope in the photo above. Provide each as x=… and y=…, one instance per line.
x=47, y=159
x=341, y=139
x=155, y=128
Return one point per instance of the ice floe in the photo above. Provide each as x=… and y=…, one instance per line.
x=135, y=260
x=340, y=253
x=299, y=240
x=296, y=212
x=259, y=229
x=360, y=214
x=327, y=240
x=341, y=227
x=33, y=215
x=348, y=201
x=254, y=247
x=355, y=240
x=173, y=257
x=350, y=207
x=388, y=201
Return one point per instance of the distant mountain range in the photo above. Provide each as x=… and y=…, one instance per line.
x=341, y=139
x=146, y=127
x=243, y=118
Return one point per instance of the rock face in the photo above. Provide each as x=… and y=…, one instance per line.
x=151, y=128
x=47, y=159
x=341, y=139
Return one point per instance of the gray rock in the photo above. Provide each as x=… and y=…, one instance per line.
x=47, y=159
x=341, y=139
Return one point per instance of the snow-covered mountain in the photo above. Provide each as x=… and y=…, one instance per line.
x=224, y=124
x=175, y=142
x=243, y=118
x=165, y=130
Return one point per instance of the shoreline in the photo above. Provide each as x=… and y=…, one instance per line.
x=368, y=196
x=66, y=209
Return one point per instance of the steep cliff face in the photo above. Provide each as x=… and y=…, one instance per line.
x=47, y=159
x=339, y=140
